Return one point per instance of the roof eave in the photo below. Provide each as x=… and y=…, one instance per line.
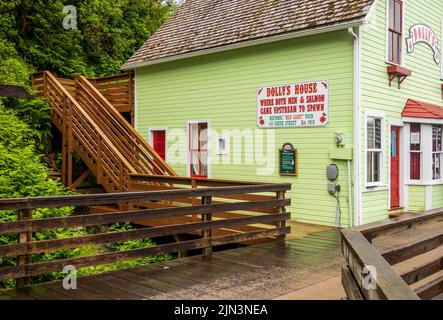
x=285, y=36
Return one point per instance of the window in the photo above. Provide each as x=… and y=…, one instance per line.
x=198, y=149
x=374, y=150
x=222, y=145
x=415, y=151
x=437, y=152
x=395, y=31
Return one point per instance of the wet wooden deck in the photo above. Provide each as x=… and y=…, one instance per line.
x=306, y=267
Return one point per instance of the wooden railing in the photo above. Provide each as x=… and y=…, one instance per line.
x=206, y=225
x=118, y=90
x=82, y=135
x=92, y=127
x=128, y=141
x=360, y=253
x=140, y=182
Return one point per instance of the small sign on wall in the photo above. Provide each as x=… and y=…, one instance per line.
x=293, y=105
x=288, y=161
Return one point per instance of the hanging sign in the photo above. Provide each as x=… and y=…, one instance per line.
x=421, y=33
x=288, y=160
x=293, y=105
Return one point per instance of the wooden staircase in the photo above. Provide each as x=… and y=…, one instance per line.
x=94, y=129
x=123, y=161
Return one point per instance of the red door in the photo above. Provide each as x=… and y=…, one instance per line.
x=395, y=167
x=159, y=142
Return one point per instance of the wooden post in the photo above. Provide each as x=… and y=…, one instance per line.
x=281, y=224
x=194, y=199
x=24, y=214
x=131, y=97
x=65, y=144
x=69, y=142
x=45, y=85
x=207, y=252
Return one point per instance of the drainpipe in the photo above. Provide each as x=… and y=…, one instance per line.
x=356, y=218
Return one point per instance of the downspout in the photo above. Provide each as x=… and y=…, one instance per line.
x=356, y=219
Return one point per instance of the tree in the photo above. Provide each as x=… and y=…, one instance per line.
x=109, y=32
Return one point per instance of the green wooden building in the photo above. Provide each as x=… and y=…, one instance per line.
x=281, y=91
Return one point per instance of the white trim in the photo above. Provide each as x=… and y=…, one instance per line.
x=151, y=142
x=371, y=11
x=406, y=163
x=286, y=36
x=429, y=197
x=402, y=62
x=422, y=120
x=188, y=161
x=370, y=186
x=426, y=149
x=358, y=214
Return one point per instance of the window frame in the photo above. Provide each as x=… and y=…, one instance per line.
x=190, y=149
x=381, y=183
x=438, y=152
x=390, y=30
x=420, y=152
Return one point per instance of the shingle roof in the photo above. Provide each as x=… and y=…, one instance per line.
x=417, y=109
x=206, y=24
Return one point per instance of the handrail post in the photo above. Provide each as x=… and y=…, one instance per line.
x=24, y=237
x=207, y=234
x=69, y=140
x=194, y=200
x=99, y=160
x=64, y=143
x=281, y=224
x=45, y=84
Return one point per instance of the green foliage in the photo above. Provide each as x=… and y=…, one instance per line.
x=109, y=32
x=32, y=38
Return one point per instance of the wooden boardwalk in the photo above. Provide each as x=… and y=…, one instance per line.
x=299, y=268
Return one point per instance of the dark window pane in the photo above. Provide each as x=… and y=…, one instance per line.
x=391, y=14
x=370, y=136
x=377, y=166
x=377, y=133
x=390, y=47
x=415, y=165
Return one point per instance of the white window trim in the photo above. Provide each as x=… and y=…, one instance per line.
x=188, y=154
x=402, y=62
x=432, y=158
x=151, y=138
x=426, y=159
x=381, y=185
x=421, y=152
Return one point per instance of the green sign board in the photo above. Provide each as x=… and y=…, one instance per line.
x=288, y=160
